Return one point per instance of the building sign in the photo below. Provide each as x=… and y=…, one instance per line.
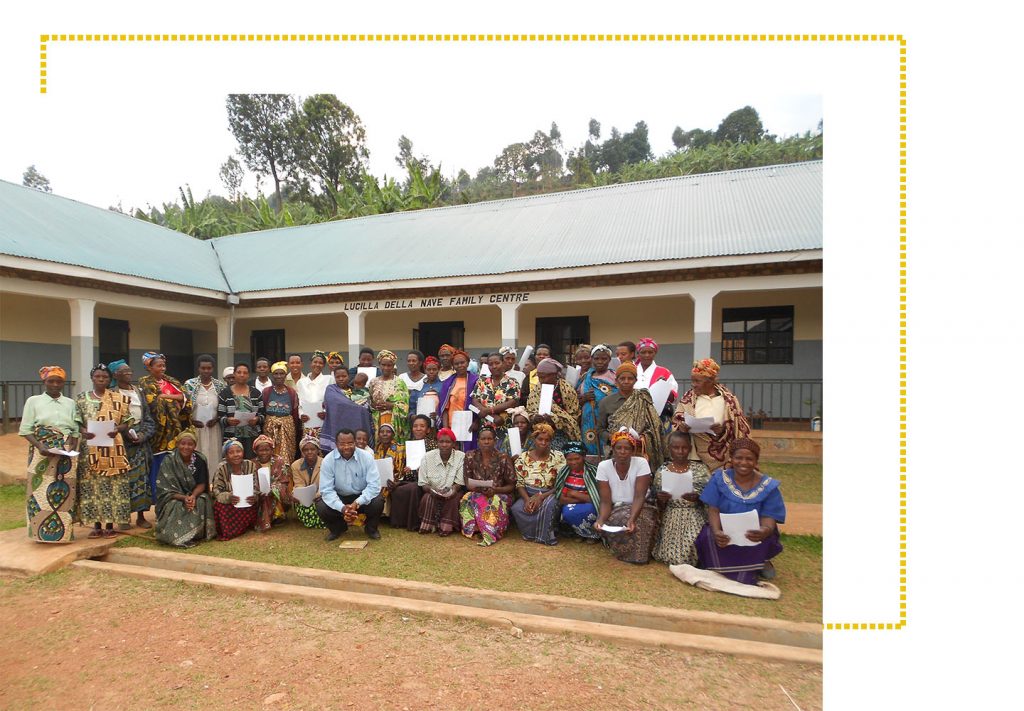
x=518, y=297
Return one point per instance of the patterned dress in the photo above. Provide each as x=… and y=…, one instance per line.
x=601, y=385
x=393, y=391
x=103, y=487
x=491, y=393
x=537, y=476
x=302, y=475
x=176, y=525
x=681, y=520
x=487, y=516
x=280, y=486
x=233, y=521
x=52, y=484
x=140, y=456
x=204, y=398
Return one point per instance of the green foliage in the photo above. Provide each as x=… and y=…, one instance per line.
x=260, y=124
x=741, y=126
x=327, y=142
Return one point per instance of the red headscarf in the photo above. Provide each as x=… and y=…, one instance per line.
x=446, y=432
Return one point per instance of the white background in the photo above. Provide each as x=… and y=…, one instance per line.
x=963, y=157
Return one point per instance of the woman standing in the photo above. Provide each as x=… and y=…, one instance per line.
x=311, y=388
x=441, y=477
x=49, y=422
x=595, y=384
x=536, y=510
x=404, y=491
x=281, y=405
x=484, y=509
x=241, y=397
x=430, y=388
x=445, y=356
x=389, y=398
x=623, y=482
x=165, y=397
x=565, y=406
x=103, y=470
x=203, y=393
x=709, y=398
x=231, y=520
x=414, y=378
x=305, y=471
x=682, y=519
x=578, y=493
x=582, y=359
x=457, y=395
x=633, y=409
x=341, y=412
x=273, y=506
x=184, y=507
x=140, y=456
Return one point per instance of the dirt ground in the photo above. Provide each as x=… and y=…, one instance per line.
x=85, y=640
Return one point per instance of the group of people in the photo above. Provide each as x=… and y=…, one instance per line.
x=589, y=456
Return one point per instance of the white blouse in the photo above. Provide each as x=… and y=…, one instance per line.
x=623, y=489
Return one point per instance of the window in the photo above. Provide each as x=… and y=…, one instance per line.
x=267, y=344
x=758, y=335
x=176, y=345
x=563, y=334
x=113, y=340
x=430, y=336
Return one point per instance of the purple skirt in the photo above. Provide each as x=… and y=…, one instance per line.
x=740, y=563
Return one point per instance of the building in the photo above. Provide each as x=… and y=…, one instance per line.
x=724, y=264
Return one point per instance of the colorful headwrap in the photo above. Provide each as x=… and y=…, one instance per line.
x=601, y=348
x=574, y=447
x=584, y=347
x=309, y=439
x=744, y=443
x=388, y=425
x=549, y=365
x=52, y=371
x=335, y=354
x=319, y=354
x=506, y=350
x=460, y=352
x=646, y=343
x=228, y=444
x=429, y=360
x=189, y=433
x=446, y=432
x=446, y=347
x=515, y=412
x=116, y=365
x=706, y=367
x=488, y=426
x=386, y=355
x=627, y=367
x=99, y=366
x=279, y=365
x=230, y=370
x=262, y=439
x=543, y=428
x=150, y=356
x=626, y=433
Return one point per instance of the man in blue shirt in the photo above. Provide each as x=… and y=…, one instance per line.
x=349, y=486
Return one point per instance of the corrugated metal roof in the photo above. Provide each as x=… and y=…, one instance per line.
x=42, y=226
x=752, y=211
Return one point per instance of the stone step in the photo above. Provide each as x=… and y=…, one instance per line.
x=512, y=620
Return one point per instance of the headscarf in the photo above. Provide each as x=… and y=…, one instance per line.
x=627, y=433
x=584, y=347
x=446, y=432
x=543, y=428
x=335, y=354
x=150, y=356
x=488, y=426
x=230, y=370
x=279, y=365
x=460, y=352
x=446, y=347
x=116, y=365
x=745, y=443
x=549, y=365
x=627, y=367
x=262, y=439
x=646, y=343
x=514, y=412
x=190, y=433
x=505, y=350
x=706, y=367
x=228, y=444
x=574, y=447
x=309, y=439
x=431, y=359
x=99, y=366
x=386, y=355
x=601, y=348
x=52, y=371
x=388, y=425
x=319, y=354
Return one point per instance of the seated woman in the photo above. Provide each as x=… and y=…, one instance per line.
x=273, y=507
x=388, y=447
x=306, y=472
x=739, y=489
x=441, y=477
x=623, y=482
x=232, y=521
x=184, y=508
x=484, y=509
x=363, y=441
x=536, y=510
x=404, y=491
x=681, y=518
x=578, y=493
x=517, y=417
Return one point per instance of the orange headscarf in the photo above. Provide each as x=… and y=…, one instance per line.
x=52, y=371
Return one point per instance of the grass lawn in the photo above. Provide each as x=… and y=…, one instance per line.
x=12, y=506
x=801, y=483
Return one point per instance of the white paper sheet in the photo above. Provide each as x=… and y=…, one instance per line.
x=660, y=393
x=427, y=404
x=527, y=352
x=104, y=431
x=264, y=475
x=699, y=425
x=305, y=494
x=241, y=486
x=547, y=394
x=474, y=409
x=677, y=483
x=371, y=373
x=205, y=413
x=311, y=410
x=612, y=529
x=462, y=420
x=479, y=483
x=485, y=369
x=63, y=452
x=519, y=375
x=415, y=450
x=244, y=418
x=735, y=526
x=386, y=469
x=572, y=375
x=515, y=445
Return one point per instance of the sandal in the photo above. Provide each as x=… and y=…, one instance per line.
x=95, y=533
x=109, y=533
x=143, y=523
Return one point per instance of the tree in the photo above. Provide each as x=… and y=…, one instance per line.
x=636, y=144
x=32, y=178
x=511, y=165
x=741, y=126
x=259, y=123
x=555, y=134
x=232, y=175
x=328, y=142
x=694, y=138
x=594, y=130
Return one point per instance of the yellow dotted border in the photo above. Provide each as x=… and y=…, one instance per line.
x=45, y=40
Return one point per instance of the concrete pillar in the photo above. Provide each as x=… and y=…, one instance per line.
x=703, y=312
x=356, y=335
x=225, y=343
x=83, y=341
x=509, y=324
